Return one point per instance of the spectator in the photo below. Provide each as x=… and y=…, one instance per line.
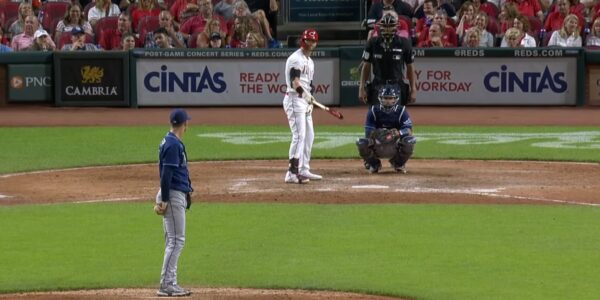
x=41, y=42
x=165, y=20
x=269, y=8
x=593, y=38
x=127, y=42
x=213, y=26
x=472, y=38
x=111, y=38
x=568, y=35
x=24, y=40
x=18, y=25
x=182, y=10
x=253, y=40
x=78, y=41
x=486, y=39
x=467, y=18
x=423, y=23
x=103, y=8
x=161, y=39
x=216, y=41
x=513, y=38
x=143, y=9
x=197, y=23
x=224, y=8
x=241, y=27
x=508, y=13
x=241, y=9
x=440, y=5
x=522, y=23
x=486, y=7
x=435, y=38
x=3, y=45
x=376, y=11
x=529, y=8
x=555, y=20
x=72, y=19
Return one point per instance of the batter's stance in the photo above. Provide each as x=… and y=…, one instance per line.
x=388, y=132
x=299, y=70
x=172, y=200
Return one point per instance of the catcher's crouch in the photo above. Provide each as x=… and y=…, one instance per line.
x=388, y=133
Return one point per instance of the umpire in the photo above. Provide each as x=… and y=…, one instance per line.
x=387, y=53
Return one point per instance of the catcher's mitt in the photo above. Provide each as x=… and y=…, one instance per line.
x=385, y=136
x=160, y=208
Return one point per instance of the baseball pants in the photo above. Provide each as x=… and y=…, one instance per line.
x=174, y=229
x=301, y=125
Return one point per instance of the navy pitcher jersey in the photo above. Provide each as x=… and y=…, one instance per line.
x=397, y=118
x=172, y=153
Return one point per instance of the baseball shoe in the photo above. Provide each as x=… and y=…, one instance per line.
x=172, y=290
x=310, y=175
x=295, y=178
x=401, y=169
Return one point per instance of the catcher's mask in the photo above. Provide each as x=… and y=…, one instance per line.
x=308, y=34
x=388, y=26
x=388, y=97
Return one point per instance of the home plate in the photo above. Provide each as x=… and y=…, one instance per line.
x=372, y=186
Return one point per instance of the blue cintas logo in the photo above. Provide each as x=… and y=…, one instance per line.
x=527, y=82
x=194, y=82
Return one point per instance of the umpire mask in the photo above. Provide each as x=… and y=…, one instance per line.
x=388, y=26
x=388, y=97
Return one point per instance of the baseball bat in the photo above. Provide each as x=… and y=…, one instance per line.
x=330, y=110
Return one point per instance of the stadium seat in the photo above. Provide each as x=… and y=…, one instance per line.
x=87, y=8
x=51, y=13
x=493, y=27
x=192, y=40
x=65, y=38
x=534, y=26
x=147, y=24
x=546, y=39
x=104, y=24
x=10, y=12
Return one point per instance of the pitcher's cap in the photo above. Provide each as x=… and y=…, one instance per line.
x=179, y=116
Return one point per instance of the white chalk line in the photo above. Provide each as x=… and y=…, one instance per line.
x=4, y=196
x=370, y=186
x=111, y=200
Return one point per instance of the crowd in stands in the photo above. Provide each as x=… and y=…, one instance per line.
x=97, y=25
x=492, y=23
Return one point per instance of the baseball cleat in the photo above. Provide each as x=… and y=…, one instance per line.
x=294, y=178
x=172, y=290
x=310, y=175
x=374, y=169
x=401, y=169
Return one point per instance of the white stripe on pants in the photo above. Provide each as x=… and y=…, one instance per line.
x=303, y=133
x=174, y=228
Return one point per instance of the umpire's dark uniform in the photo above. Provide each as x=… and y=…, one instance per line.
x=388, y=65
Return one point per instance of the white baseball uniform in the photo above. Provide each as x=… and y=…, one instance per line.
x=296, y=107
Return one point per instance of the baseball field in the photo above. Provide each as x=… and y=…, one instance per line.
x=498, y=203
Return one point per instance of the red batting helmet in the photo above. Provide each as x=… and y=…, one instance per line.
x=309, y=34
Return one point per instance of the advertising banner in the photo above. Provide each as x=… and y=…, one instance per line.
x=496, y=81
x=350, y=66
x=92, y=78
x=30, y=82
x=325, y=11
x=221, y=82
x=593, y=84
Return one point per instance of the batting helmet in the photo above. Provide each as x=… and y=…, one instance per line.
x=388, y=97
x=308, y=34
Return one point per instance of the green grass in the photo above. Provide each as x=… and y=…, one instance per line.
x=421, y=251
x=26, y=149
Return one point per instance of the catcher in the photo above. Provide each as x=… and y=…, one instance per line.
x=388, y=133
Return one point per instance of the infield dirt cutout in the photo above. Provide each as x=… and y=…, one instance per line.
x=345, y=181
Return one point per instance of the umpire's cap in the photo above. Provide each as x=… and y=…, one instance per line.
x=179, y=116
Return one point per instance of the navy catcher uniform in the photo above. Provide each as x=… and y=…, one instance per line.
x=172, y=200
x=297, y=103
x=388, y=133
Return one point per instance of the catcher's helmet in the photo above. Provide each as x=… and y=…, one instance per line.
x=388, y=97
x=308, y=34
x=388, y=25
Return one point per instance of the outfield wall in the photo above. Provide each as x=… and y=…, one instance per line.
x=237, y=77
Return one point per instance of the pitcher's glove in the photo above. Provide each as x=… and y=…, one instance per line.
x=160, y=208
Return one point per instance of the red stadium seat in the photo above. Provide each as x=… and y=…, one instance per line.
x=192, y=40
x=10, y=10
x=51, y=13
x=546, y=39
x=493, y=27
x=104, y=24
x=534, y=26
x=87, y=8
x=65, y=38
x=147, y=24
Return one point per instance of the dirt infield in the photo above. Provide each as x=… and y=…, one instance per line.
x=345, y=181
